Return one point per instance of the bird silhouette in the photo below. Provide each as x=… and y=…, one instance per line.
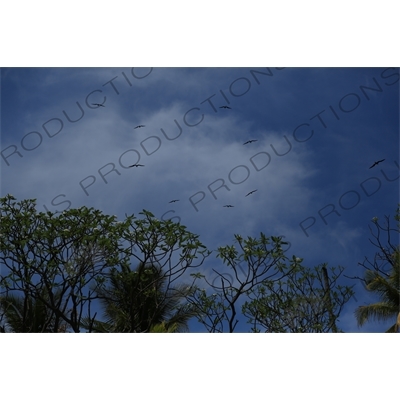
x=228, y=108
x=250, y=141
x=136, y=165
x=173, y=201
x=139, y=126
x=98, y=105
x=376, y=163
x=228, y=205
x=251, y=192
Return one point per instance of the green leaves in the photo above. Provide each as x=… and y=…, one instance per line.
x=64, y=262
x=300, y=302
x=382, y=274
x=74, y=250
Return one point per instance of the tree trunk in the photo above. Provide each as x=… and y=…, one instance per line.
x=332, y=319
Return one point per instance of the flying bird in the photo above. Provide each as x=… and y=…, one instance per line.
x=228, y=205
x=226, y=107
x=376, y=163
x=173, y=201
x=250, y=141
x=251, y=192
x=98, y=105
x=139, y=126
x=136, y=165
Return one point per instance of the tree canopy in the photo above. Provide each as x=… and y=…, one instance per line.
x=382, y=275
x=62, y=262
x=274, y=292
x=85, y=271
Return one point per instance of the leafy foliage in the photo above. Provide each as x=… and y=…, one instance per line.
x=271, y=290
x=63, y=261
x=57, y=270
x=380, y=279
x=142, y=301
x=307, y=300
x=26, y=315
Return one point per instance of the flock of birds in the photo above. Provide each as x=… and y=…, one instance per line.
x=248, y=142
x=141, y=165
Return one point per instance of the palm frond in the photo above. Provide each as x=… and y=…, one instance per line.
x=388, y=290
x=141, y=301
x=378, y=311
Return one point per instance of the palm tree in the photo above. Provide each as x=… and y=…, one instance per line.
x=162, y=328
x=388, y=289
x=142, y=301
x=23, y=315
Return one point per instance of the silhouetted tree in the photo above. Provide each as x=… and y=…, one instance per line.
x=142, y=301
x=382, y=275
x=60, y=262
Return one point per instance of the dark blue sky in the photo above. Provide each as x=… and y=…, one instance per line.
x=318, y=131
